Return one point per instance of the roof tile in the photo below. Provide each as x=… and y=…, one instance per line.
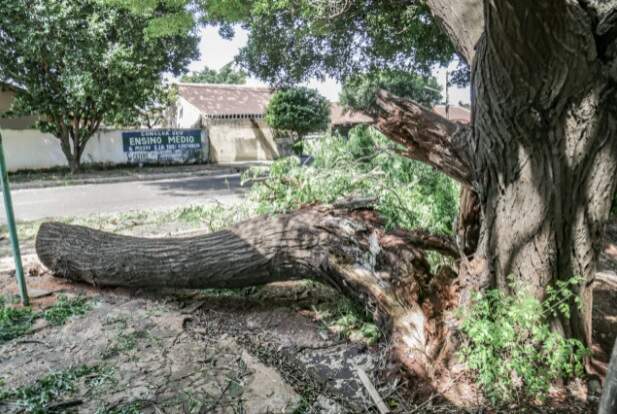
x=219, y=100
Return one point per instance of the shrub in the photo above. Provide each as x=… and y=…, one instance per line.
x=408, y=193
x=511, y=346
x=299, y=110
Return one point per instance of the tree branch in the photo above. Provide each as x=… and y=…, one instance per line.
x=427, y=241
x=463, y=21
x=427, y=136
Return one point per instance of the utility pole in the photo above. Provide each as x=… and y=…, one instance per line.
x=447, y=96
x=10, y=221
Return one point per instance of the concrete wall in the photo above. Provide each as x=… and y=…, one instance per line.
x=240, y=140
x=31, y=149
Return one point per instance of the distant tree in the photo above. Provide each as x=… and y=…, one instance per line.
x=299, y=110
x=154, y=113
x=226, y=75
x=78, y=62
x=360, y=91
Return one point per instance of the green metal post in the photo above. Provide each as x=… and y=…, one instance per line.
x=10, y=221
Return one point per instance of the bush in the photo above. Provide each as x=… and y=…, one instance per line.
x=510, y=344
x=408, y=193
x=299, y=110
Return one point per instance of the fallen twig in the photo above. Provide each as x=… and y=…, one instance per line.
x=372, y=391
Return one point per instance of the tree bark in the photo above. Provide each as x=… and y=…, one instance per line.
x=463, y=21
x=427, y=136
x=73, y=140
x=608, y=402
x=545, y=139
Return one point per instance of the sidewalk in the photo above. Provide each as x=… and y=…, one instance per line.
x=46, y=179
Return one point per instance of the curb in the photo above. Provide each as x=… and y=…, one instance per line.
x=127, y=178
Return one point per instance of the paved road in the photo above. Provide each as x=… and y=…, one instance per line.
x=80, y=200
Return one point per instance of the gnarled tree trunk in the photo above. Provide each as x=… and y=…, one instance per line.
x=545, y=147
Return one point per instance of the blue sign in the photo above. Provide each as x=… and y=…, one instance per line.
x=163, y=145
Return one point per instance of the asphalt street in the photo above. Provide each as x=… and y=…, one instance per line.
x=81, y=200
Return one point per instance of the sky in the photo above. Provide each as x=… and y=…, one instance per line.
x=216, y=52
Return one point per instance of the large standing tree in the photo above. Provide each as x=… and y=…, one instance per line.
x=538, y=164
x=79, y=62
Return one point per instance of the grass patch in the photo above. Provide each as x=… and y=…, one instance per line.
x=38, y=398
x=125, y=342
x=134, y=407
x=65, y=308
x=15, y=322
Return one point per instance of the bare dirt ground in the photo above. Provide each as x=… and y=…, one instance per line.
x=258, y=351
x=282, y=348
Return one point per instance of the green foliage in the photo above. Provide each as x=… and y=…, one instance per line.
x=359, y=91
x=36, y=398
x=299, y=110
x=152, y=113
x=14, y=322
x=511, y=346
x=226, y=75
x=66, y=308
x=134, y=407
x=166, y=18
x=75, y=63
x=409, y=194
x=292, y=41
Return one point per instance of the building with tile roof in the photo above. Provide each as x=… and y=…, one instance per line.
x=233, y=117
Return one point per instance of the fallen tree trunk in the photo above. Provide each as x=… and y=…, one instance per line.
x=347, y=249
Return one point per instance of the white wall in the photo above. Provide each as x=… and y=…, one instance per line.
x=32, y=149
x=240, y=140
x=187, y=115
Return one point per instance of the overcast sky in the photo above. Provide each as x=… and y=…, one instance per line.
x=216, y=52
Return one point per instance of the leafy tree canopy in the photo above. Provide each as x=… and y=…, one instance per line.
x=226, y=75
x=299, y=109
x=291, y=41
x=153, y=113
x=294, y=40
x=77, y=62
x=359, y=91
